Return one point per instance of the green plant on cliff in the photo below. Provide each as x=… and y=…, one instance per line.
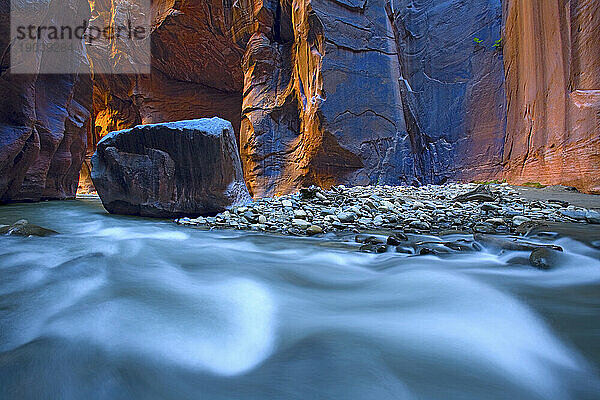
x=477, y=40
x=498, y=45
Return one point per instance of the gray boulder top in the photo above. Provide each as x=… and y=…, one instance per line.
x=212, y=126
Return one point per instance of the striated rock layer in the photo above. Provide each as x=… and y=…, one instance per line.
x=43, y=118
x=552, y=52
x=171, y=169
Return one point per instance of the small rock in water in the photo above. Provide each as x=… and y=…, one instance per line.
x=368, y=239
x=434, y=248
x=593, y=217
x=373, y=248
x=463, y=246
x=423, y=226
x=544, y=258
x=518, y=261
x=574, y=214
x=361, y=238
x=24, y=228
x=396, y=239
x=286, y=203
x=314, y=230
x=404, y=250
x=511, y=244
x=375, y=240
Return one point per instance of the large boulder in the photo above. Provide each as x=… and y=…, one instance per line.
x=170, y=169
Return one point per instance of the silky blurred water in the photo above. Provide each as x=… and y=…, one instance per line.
x=130, y=308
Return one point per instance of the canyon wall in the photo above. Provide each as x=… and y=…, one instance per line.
x=43, y=118
x=378, y=92
x=552, y=54
x=452, y=86
x=328, y=91
x=321, y=98
x=333, y=92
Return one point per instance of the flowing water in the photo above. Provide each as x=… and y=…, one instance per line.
x=130, y=308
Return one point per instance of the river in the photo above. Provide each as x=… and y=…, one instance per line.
x=130, y=308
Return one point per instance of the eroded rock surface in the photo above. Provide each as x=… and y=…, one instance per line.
x=452, y=87
x=196, y=71
x=171, y=169
x=43, y=118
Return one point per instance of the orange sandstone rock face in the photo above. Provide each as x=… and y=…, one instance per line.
x=552, y=63
x=321, y=98
x=315, y=85
x=386, y=91
x=196, y=70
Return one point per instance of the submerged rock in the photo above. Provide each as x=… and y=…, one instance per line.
x=170, y=169
x=24, y=228
x=593, y=217
x=373, y=248
x=544, y=258
x=396, y=239
x=514, y=244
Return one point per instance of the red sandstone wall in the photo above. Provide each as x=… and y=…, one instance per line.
x=552, y=64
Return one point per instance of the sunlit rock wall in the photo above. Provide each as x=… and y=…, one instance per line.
x=331, y=92
x=322, y=103
x=196, y=70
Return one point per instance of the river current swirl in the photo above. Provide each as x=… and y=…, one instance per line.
x=130, y=308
